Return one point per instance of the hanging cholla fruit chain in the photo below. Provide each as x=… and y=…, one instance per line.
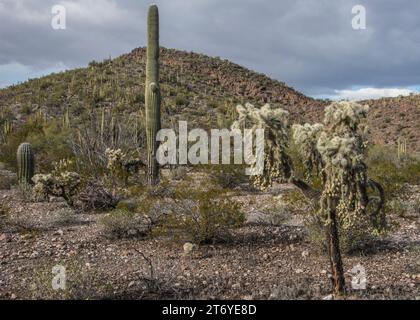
x=25, y=164
x=152, y=94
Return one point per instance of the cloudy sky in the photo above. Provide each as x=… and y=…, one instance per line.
x=311, y=45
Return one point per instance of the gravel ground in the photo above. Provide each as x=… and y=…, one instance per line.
x=262, y=262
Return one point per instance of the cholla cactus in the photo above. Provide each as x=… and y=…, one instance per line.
x=345, y=117
x=275, y=123
x=344, y=199
x=306, y=137
x=342, y=148
x=115, y=159
x=65, y=184
x=336, y=148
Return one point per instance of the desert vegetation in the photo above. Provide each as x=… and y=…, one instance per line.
x=81, y=187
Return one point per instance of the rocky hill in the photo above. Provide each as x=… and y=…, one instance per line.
x=195, y=87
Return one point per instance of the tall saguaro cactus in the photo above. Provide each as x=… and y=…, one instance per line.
x=25, y=163
x=152, y=93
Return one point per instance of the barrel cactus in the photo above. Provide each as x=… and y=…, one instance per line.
x=25, y=164
x=152, y=94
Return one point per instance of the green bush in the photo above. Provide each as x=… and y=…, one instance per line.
x=4, y=216
x=227, y=176
x=120, y=224
x=49, y=141
x=202, y=216
x=82, y=282
x=181, y=99
x=392, y=173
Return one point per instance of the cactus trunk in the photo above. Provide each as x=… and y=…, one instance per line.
x=25, y=163
x=336, y=264
x=152, y=94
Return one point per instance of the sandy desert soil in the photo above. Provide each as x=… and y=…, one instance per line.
x=262, y=262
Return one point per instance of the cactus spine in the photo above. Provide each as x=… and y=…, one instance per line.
x=25, y=163
x=152, y=94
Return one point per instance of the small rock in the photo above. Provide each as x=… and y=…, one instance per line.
x=329, y=297
x=59, y=232
x=188, y=248
x=299, y=271
x=236, y=286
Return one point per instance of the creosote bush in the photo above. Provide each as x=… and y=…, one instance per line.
x=180, y=213
x=202, y=216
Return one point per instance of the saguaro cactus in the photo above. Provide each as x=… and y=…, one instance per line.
x=152, y=94
x=25, y=163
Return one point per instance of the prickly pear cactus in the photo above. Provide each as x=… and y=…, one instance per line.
x=25, y=164
x=275, y=123
x=152, y=94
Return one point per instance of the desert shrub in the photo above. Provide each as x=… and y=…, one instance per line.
x=9, y=147
x=7, y=179
x=181, y=100
x=94, y=196
x=391, y=172
x=81, y=282
x=178, y=173
x=134, y=220
x=124, y=224
x=49, y=141
x=64, y=217
x=4, y=216
x=405, y=207
x=202, y=216
x=50, y=146
x=159, y=191
x=274, y=215
x=228, y=176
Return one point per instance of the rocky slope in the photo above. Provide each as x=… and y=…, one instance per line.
x=195, y=87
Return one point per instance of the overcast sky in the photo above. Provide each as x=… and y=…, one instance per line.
x=311, y=45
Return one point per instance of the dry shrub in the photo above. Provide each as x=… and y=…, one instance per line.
x=94, y=196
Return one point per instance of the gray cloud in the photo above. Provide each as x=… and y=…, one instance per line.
x=308, y=44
